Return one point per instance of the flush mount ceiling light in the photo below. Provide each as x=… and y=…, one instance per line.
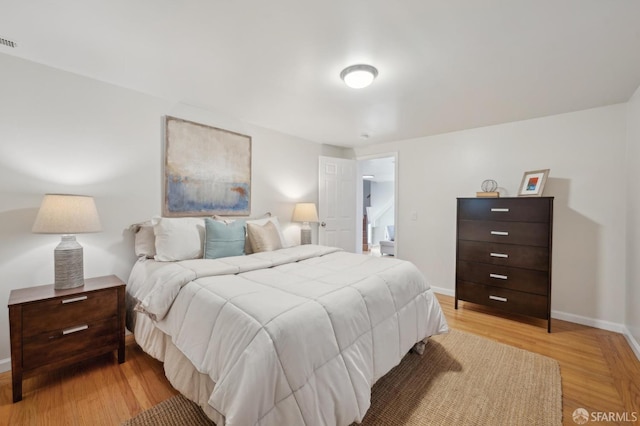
x=359, y=76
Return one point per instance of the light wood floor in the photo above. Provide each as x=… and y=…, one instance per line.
x=599, y=373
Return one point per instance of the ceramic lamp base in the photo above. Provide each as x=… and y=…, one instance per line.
x=305, y=236
x=68, y=260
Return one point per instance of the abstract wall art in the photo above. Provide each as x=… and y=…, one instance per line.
x=207, y=170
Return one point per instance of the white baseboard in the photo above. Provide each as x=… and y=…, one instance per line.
x=635, y=346
x=5, y=365
x=591, y=322
x=445, y=291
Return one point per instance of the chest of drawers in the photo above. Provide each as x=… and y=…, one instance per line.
x=503, y=254
x=53, y=328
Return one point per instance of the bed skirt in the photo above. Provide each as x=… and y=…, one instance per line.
x=182, y=375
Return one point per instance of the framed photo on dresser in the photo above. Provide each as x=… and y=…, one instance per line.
x=532, y=183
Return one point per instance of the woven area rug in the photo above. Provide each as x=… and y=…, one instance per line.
x=461, y=379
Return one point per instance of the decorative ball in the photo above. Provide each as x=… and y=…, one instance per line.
x=489, y=185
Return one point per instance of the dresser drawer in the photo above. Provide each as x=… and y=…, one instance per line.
x=529, y=257
x=504, y=209
x=64, y=312
x=507, y=300
x=526, y=280
x=532, y=234
x=58, y=345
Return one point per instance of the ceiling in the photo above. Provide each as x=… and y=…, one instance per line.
x=443, y=65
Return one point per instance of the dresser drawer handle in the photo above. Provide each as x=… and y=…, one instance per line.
x=74, y=329
x=498, y=276
x=503, y=233
x=499, y=209
x=498, y=298
x=503, y=255
x=75, y=299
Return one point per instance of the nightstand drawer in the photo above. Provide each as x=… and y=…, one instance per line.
x=529, y=257
x=524, y=233
x=507, y=300
x=58, y=345
x=519, y=279
x=64, y=312
x=497, y=209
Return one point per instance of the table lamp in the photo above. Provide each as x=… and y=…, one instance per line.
x=67, y=215
x=305, y=213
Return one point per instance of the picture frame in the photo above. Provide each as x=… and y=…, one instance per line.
x=533, y=183
x=207, y=170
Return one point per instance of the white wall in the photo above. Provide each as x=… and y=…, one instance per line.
x=60, y=132
x=632, y=320
x=586, y=154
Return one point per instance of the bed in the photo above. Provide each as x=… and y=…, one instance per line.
x=286, y=336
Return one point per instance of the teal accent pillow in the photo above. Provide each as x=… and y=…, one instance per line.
x=223, y=239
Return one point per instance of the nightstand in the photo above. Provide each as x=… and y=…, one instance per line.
x=54, y=328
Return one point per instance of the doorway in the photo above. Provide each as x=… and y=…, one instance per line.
x=377, y=204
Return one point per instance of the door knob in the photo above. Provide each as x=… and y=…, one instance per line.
x=323, y=224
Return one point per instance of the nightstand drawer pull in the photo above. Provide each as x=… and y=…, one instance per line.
x=498, y=298
x=498, y=276
x=74, y=329
x=75, y=299
x=503, y=255
x=504, y=233
x=498, y=209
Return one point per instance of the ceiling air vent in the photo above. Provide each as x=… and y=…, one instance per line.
x=8, y=43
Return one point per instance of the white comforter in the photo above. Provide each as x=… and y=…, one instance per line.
x=292, y=337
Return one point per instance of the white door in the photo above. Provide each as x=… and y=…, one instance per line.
x=337, y=203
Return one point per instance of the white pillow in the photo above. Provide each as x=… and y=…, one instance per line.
x=178, y=238
x=262, y=222
x=145, y=240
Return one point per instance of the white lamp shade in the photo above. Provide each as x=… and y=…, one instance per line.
x=305, y=212
x=67, y=214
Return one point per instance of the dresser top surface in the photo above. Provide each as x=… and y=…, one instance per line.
x=503, y=198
